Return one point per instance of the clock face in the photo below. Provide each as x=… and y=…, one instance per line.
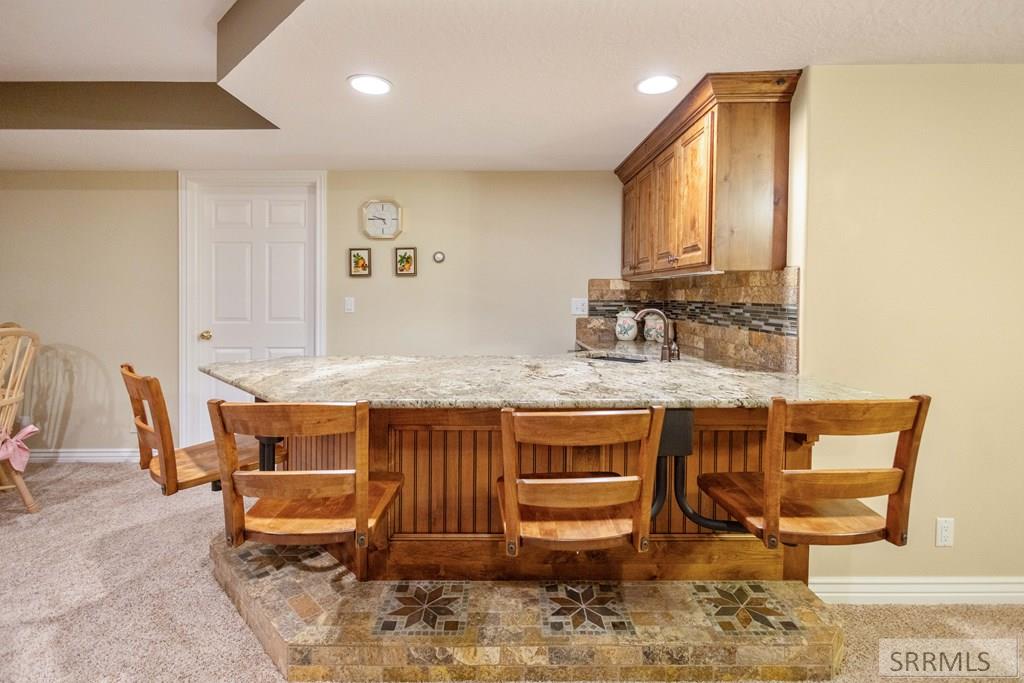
x=382, y=220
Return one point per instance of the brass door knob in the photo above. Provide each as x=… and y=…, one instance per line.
x=206, y=335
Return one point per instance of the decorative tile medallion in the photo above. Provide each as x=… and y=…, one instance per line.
x=745, y=608
x=423, y=608
x=578, y=608
x=261, y=562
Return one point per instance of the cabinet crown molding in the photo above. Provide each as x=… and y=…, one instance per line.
x=714, y=88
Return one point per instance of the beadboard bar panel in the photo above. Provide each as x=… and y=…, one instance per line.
x=335, y=452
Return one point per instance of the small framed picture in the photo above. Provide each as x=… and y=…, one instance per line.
x=405, y=260
x=359, y=262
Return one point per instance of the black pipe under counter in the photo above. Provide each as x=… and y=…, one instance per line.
x=677, y=442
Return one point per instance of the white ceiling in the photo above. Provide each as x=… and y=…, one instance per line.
x=109, y=40
x=478, y=84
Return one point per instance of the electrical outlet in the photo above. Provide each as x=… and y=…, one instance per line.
x=350, y=304
x=943, y=532
x=578, y=306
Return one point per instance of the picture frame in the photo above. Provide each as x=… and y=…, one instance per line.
x=405, y=261
x=359, y=262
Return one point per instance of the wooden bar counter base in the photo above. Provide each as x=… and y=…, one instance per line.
x=436, y=421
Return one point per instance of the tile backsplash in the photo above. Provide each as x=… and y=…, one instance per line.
x=743, y=318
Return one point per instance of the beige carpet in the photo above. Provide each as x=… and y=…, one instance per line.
x=111, y=582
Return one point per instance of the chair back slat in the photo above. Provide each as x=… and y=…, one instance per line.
x=295, y=485
x=817, y=484
x=289, y=419
x=591, y=428
x=582, y=492
x=850, y=418
x=148, y=438
x=153, y=428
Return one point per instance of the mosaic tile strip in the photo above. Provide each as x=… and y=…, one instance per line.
x=582, y=608
x=780, y=319
x=745, y=608
x=423, y=608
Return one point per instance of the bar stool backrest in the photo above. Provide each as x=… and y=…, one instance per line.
x=152, y=425
x=844, y=418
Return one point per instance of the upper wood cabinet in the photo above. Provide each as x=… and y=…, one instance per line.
x=638, y=203
x=707, y=189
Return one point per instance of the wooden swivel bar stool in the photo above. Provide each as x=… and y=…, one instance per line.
x=820, y=507
x=175, y=468
x=578, y=510
x=336, y=508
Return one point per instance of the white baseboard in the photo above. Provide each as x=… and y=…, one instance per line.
x=919, y=590
x=93, y=455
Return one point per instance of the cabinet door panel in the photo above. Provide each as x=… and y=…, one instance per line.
x=629, y=227
x=646, y=191
x=666, y=223
x=694, y=151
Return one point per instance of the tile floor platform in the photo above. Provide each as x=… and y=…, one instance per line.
x=318, y=623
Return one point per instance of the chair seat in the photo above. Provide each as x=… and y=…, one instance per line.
x=318, y=520
x=801, y=522
x=572, y=528
x=199, y=464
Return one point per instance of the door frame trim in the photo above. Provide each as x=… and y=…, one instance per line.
x=188, y=184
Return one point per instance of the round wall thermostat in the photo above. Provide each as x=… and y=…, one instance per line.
x=438, y=257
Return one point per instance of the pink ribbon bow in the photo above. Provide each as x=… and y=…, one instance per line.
x=13, y=448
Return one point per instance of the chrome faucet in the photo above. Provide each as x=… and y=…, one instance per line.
x=669, y=348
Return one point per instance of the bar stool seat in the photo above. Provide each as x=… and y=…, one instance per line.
x=561, y=528
x=198, y=464
x=801, y=522
x=329, y=520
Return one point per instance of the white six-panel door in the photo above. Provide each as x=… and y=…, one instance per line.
x=252, y=294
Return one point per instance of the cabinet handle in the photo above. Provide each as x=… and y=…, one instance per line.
x=673, y=259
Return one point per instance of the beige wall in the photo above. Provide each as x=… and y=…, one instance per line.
x=90, y=262
x=95, y=272
x=518, y=246
x=913, y=283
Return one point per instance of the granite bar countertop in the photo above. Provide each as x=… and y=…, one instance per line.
x=558, y=381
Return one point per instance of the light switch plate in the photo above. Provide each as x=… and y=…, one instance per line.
x=578, y=306
x=350, y=304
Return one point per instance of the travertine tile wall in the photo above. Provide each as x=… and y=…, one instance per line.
x=748, y=319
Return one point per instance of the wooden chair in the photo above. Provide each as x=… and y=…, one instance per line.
x=18, y=348
x=578, y=510
x=175, y=468
x=328, y=508
x=820, y=507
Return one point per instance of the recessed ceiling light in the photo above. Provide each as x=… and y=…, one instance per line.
x=656, y=85
x=370, y=85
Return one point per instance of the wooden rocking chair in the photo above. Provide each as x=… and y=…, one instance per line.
x=18, y=347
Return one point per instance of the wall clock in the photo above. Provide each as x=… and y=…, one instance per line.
x=382, y=219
